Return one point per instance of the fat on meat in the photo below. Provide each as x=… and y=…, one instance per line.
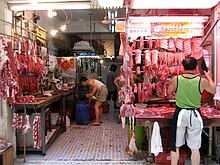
x=154, y=55
x=164, y=44
x=138, y=56
x=171, y=45
x=135, y=88
x=179, y=44
x=123, y=39
x=138, y=70
x=17, y=121
x=187, y=50
x=36, y=132
x=147, y=58
x=127, y=110
x=196, y=49
x=26, y=126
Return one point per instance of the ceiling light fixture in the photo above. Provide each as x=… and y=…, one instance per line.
x=53, y=32
x=52, y=13
x=106, y=20
x=107, y=4
x=63, y=27
x=173, y=4
x=34, y=2
x=168, y=19
x=49, y=6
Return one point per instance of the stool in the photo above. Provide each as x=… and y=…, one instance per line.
x=48, y=125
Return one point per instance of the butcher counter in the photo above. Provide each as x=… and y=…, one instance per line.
x=163, y=115
x=42, y=108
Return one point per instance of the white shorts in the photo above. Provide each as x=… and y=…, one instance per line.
x=189, y=129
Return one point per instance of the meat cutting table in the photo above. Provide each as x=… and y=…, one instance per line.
x=40, y=108
x=147, y=116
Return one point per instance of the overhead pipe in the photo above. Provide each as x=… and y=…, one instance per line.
x=208, y=33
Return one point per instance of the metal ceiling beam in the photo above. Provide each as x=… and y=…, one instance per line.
x=43, y=1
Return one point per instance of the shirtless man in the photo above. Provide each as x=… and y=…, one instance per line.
x=187, y=121
x=99, y=92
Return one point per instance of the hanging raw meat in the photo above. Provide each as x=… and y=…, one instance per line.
x=173, y=70
x=187, y=47
x=131, y=61
x=139, y=91
x=135, y=88
x=132, y=148
x=138, y=70
x=133, y=46
x=138, y=56
x=179, y=44
x=141, y=43
x=170, y=58
x=123, y=39
x=126, y=72
x=160, y=89
x=125, y=95
x=17, y=121
x=171, y=45
x=143, y=95
x=147, y=58
x=150, y=43
x=26, y=126
x=164, y=44
x=154, y=55
x=161, y=58
x=36, y=132
x=8, y=72
x=196, y=49
x=157, y=44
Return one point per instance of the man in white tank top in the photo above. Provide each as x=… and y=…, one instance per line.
x=99, y=92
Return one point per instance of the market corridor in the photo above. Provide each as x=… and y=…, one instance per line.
x=86, y=144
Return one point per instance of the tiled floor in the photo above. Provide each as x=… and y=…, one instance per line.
x=88, y=145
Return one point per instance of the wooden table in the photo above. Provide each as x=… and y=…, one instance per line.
x=40, y=108
x=6, y=155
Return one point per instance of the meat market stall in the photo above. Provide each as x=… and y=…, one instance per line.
x=24, y=83
x=153, y=48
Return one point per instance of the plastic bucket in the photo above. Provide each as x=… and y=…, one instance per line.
x=139, y=132
x=82, y=114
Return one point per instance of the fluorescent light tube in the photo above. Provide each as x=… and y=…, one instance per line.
x=49, y=6
x=168, y=19
x=173, y=4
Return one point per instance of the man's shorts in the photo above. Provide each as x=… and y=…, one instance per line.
x=189, y=129
x=102, y=94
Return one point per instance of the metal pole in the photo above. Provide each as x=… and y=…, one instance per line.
x=207, y=34
x=90, y=27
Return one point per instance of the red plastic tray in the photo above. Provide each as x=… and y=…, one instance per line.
x=164, y=158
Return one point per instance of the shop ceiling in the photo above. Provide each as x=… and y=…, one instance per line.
x=98, y=15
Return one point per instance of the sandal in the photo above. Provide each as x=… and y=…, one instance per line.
x=95, y=124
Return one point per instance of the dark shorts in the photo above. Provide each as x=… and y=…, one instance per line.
x=113, y=95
